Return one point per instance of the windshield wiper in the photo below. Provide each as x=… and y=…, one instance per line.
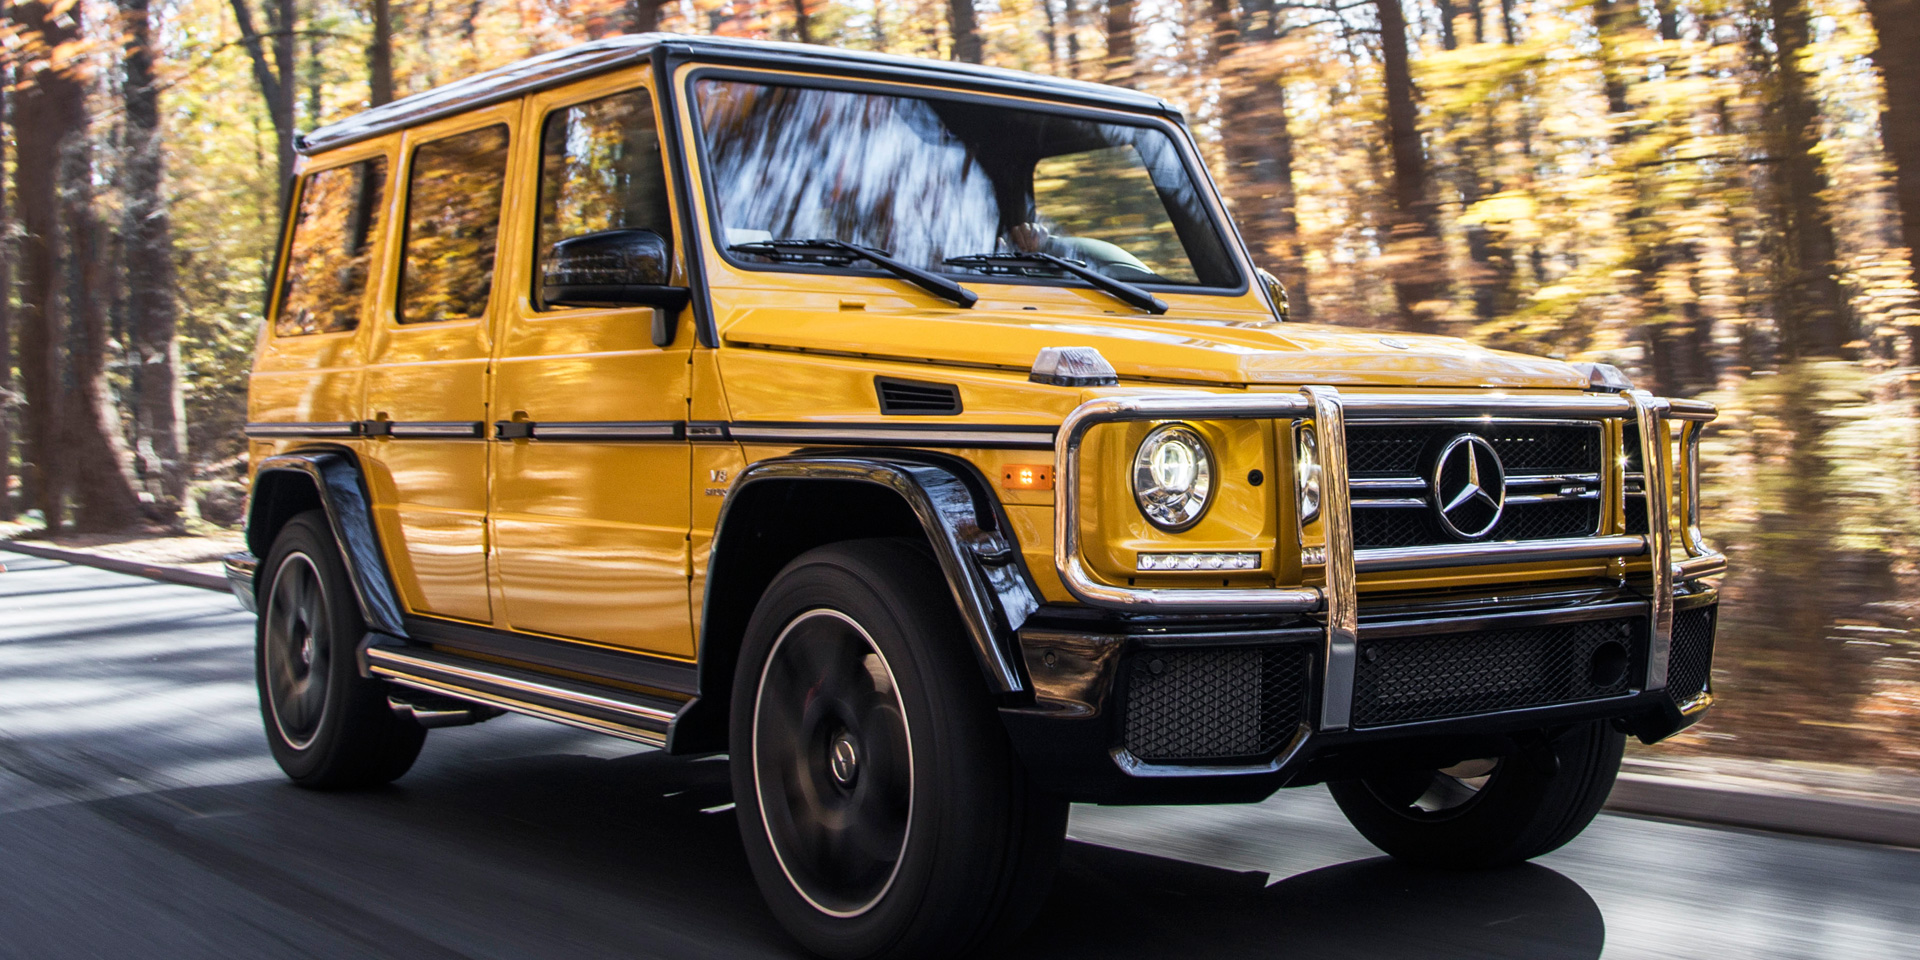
x=1120, y=290
x=841, y=253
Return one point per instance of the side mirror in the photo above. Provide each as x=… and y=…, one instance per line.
x=1277, y=291
x=615, y=268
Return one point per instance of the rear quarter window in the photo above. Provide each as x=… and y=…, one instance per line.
x=328, y=261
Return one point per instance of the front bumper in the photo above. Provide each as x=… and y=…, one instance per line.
x=1292, y=685
x=1164, y=710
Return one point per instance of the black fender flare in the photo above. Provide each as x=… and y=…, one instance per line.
x=335, y=475
x=962, y=521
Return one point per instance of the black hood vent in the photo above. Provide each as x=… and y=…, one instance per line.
x=916, y=398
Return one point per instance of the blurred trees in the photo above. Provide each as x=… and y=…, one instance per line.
x=1721, y=196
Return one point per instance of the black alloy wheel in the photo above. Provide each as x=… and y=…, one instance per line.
x=1489, y=812
x=833, y=763
x=327, y=725
x=882, y=808
x=296, y=659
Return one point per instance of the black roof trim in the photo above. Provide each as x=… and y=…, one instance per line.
x=600, y=56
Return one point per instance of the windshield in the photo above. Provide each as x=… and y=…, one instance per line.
x=929, y=180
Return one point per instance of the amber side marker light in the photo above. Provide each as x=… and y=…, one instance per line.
x=1026, y=476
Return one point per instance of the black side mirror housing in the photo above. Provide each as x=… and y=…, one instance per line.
x=1277, y=292
x=615, y=268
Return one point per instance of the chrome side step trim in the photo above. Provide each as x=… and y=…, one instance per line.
x=620, y=713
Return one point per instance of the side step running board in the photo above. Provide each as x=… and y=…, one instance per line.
x=622, y=713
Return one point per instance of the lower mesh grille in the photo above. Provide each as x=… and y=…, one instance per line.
x=1690, y=662
x=1215, y=704
x=1403, y=679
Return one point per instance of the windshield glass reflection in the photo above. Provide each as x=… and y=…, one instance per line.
x=930, y=180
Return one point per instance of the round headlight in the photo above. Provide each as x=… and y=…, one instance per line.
x=1306, y=467
x=1173, y=477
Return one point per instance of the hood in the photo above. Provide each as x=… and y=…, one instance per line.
x=1162, y=348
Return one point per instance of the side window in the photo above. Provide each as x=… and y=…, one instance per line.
x=327, y=263
x=600, y=170
x=453, y=223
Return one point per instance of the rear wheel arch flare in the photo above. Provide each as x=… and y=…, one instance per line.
x=328, y=479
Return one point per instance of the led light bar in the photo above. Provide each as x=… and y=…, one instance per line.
x=1198, y=561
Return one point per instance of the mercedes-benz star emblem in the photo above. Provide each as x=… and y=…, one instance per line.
x=1469, y=487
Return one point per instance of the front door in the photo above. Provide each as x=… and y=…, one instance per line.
x=590, y=465
x=427, y=382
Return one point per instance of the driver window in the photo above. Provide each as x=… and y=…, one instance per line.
x=600, y=169
x=1101, y=206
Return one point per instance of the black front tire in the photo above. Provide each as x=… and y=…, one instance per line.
x=1489, y=813
x=327, y=725
x=883, y=811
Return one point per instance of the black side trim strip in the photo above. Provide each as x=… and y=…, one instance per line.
x=610, y=430
x=429, y=429
x=986, y=435
x=1021, y=437
x=299, y=430
x=640, y=669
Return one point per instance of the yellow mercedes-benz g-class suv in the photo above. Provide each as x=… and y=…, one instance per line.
x=923, y=437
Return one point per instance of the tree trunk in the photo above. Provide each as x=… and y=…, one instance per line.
x=1415, y=252
x=1510, y=30
x=47, y=111
x=966, y=31
x=380, y=55
x=802, y=22
x=643, y=16
x=1669, y=14
x=1448, y=38
x=275, y=77
x=1812, y=312
x=8, y=403
x=1259, y=145
x=1119, y=65
x=159, y=413
x=1071, y=15
x=90, y=430
x=1051, y=37
x=1897, y=22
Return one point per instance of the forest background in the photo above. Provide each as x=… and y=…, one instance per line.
x=1719, y=196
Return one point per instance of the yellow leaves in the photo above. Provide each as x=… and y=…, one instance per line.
x=1509, y=207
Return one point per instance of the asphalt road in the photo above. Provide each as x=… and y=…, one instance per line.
x=140, y=816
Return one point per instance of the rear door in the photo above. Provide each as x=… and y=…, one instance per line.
x=308, y=373
x=590, y=483
x=426, y=400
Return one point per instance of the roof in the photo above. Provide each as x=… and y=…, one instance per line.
x=587, y=59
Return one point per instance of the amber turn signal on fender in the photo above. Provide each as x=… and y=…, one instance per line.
x=1026, y=476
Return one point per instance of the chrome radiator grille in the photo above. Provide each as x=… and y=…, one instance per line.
x=1552, y=480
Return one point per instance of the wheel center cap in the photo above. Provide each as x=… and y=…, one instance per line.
x=845, y=762
x=306, y=652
